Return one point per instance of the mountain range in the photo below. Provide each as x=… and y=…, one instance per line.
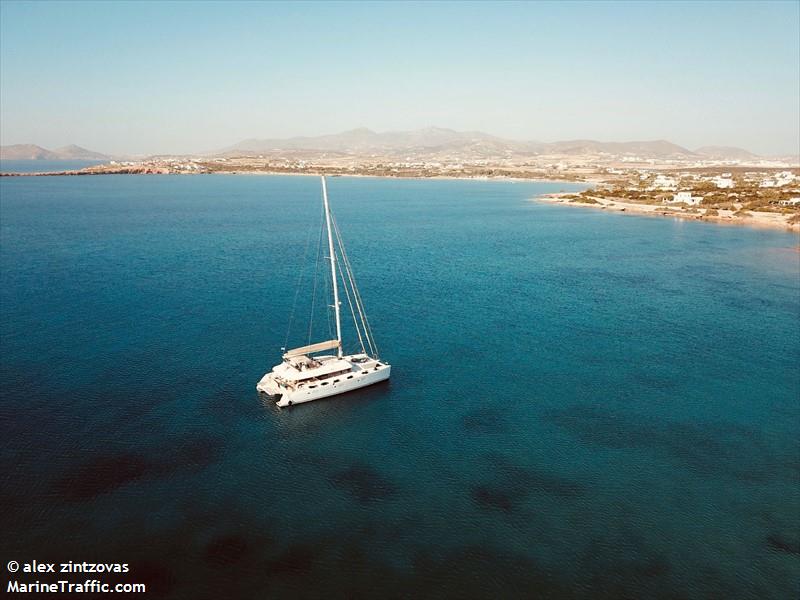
x=34, y=152
x=475, y=143
x=428, y=143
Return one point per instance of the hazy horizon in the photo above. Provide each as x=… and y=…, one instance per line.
x=184, y=77
x=373, y=130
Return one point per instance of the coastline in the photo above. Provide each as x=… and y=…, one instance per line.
x=757, y=219
x=92, y=171
x=763, y=220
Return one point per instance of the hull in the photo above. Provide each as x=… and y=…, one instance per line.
x=316, y=390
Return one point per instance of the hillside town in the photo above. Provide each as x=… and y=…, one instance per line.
x=744, y=195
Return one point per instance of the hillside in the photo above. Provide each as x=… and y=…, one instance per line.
x=725, y=152
x=650, y=149
x=26, y=152
x=362, y=140
x=34, y=152
x=76, y=152
x=426, y=142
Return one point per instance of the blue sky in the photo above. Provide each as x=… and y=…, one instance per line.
x=186, y=76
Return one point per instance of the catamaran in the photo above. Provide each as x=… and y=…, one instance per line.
x=303, y=375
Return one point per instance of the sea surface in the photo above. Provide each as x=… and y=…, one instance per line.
x=45, y=166
x=582, y=404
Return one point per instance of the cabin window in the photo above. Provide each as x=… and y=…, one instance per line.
x=312, y=386
x=349, y=376
x=335, y=381
x=380, y=365
x=324, y=383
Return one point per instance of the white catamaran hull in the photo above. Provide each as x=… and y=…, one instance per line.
x=363, y=372
x=361, y=376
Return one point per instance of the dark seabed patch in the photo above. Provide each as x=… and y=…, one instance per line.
x=623, y=566
x=512, y=484
x=226, y=550
x=113, y=470
x=477, y=572
x=593, y=425
x=781, y=544
x=644, y=578
x=159, y=579
x=534, y=480
x=491, y=497
x=484, y=420
x=102, y=475
x=194, y=452
x=311, y=459
x=364, y=482
x=730, y=449
x=297, y=559
x=655, y=566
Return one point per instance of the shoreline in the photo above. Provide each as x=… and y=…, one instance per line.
x=760, y=220
x=757, y=219
x=317, y=173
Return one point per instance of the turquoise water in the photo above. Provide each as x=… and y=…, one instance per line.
x=581, y=405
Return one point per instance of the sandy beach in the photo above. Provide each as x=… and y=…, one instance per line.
x=727, y=217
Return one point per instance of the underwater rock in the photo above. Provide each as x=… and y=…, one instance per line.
x=296, y=559
x=484, y=420
x=226, y=550
x=364, y=483
x=102, y=475
x=781, y=544
x=493, y=498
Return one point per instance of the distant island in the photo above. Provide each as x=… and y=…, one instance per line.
x=34, y=152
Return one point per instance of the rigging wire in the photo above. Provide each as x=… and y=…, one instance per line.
x=330, y=307
x=356, y=294
x=352, y=310
x=316, y=277
x=298, y=285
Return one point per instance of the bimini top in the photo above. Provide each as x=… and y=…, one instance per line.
x=318, y=347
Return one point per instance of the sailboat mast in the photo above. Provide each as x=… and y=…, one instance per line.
x=333, y=265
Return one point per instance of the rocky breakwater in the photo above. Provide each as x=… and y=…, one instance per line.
x=100, y=170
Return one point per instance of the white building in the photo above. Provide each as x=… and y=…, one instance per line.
x=663, y=183
x=779, y=179
x=723, y=182
x=790, y=202
x=685, y=197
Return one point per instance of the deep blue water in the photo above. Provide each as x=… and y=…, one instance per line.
x=44, y=166
x=581, y=405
